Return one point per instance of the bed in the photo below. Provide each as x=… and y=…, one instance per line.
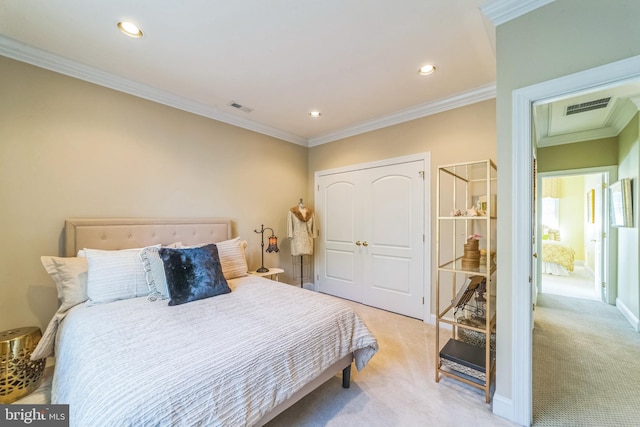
x=557, y=259
x=239, y=358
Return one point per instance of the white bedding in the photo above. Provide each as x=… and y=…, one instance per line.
x=221, y=361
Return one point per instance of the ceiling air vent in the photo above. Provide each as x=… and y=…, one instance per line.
x=240, y=107
x=588, y=106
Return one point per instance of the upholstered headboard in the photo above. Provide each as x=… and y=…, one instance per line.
x=119, y=233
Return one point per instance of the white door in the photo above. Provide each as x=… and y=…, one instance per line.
x=338, y=208
x=371, y=236
x=601, y=219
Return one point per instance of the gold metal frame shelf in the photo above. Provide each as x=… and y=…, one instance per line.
x=466, y=318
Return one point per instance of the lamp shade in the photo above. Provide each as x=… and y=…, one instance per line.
x=273, y=244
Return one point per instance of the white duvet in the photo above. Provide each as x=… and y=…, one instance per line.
x=222, y=361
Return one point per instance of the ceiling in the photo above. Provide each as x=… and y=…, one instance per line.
x=354, y=61
x=598, y=113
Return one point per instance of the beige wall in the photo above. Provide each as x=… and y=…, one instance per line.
x=460, y=135
x=586, y=154
x=560, y=38
x=73, y=149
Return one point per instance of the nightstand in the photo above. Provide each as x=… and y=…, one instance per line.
x=272, y=272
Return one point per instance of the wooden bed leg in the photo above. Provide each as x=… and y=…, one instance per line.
x=346, y=377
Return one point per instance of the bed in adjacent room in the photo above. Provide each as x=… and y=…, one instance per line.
x=239, y=357
x=557, y=259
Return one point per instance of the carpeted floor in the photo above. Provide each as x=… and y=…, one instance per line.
x=579, y=284
x=586, y=365
x=397, y=388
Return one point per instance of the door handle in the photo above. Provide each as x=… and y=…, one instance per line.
x=365, y=243
x=358, y=243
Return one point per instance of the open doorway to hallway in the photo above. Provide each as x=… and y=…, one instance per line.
x=572, y=228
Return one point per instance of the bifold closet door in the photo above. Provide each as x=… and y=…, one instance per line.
x=371, y=236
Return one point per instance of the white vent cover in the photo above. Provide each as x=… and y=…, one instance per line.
x=588, y=106
x=240, y=107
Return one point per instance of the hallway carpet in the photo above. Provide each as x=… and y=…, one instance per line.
x=586, y=364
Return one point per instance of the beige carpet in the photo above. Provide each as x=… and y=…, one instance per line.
x=397, y=388
x=586, y=365
x=579, y=284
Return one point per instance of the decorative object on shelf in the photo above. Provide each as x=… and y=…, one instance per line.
x=272, y=247
x=472, y=211
x=471, y=256
x=19, y=375
x=464, y=295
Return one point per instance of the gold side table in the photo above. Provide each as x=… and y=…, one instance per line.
x=19, y=375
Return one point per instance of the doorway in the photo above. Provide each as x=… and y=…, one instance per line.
x=518, y=406
x=572, y=233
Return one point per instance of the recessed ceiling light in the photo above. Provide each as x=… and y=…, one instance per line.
x=315, y=114
x=426, y=69
x=130, y=29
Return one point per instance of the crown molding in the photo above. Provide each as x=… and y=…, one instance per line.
x=482, y=93
x=501, y=11
x=40, y=58
x=570, y=138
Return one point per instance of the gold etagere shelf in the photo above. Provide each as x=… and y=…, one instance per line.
x=465, y=279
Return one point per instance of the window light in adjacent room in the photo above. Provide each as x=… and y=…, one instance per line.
x=427, y=69
x=130, y=29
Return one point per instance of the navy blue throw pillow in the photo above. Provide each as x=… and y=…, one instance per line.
x=193, y=273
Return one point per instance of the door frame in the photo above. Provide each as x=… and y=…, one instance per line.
x=611, y=242
x=426, y=226
x=519, y=406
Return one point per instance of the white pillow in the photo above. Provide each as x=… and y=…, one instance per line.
x=115, y=275
x=232, y=258
x=154, y=273
x=70, y=276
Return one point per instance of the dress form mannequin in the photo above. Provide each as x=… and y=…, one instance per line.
x=301, y=232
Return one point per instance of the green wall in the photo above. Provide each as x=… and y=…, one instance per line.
x=586, y=154
x=558, y=39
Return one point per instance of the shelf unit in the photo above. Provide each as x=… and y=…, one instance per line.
x=465, y=284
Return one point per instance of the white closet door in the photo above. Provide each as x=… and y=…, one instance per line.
x=371, y=247
x=393, y=218
x=338, y=207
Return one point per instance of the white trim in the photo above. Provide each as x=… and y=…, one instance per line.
x=40, y=58
x=427, y=316
x=523, y=99
x=480, y=94
x=501, y=11
x=628, y=314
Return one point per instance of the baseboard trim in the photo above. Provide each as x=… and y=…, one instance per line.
x=631, y=318
x=503, y=407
